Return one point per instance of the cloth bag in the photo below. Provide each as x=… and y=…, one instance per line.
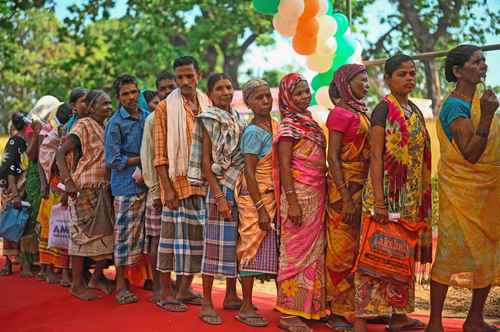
x=387, y=251
x=13, y=222
x=59, y=227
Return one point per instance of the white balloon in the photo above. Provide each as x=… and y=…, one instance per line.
x=319, y=62
x=327, y=26
x=323, y=98
x=327, y=47
x=285, y=26
x=323, y=7
x=291, y=8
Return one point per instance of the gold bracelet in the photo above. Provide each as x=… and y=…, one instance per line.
x=219, y=195
x=290, y=191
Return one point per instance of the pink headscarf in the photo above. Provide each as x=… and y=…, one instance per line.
x=295, y=122
x=342, y=78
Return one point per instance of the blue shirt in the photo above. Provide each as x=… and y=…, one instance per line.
x=453, y=108
x=256, y=140
x=122, y=140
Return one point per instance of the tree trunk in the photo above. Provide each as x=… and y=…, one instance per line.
x=231, y=65
x=430, y=85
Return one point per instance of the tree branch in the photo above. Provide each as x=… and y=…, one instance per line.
x=449, y=15
x=379, y=44
x=421, y=33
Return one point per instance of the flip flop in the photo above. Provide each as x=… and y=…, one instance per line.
x=126, y=297
x=339, y=325
x=65, y=283
x=412, y=325
x=252, y=320
x=292, y=328
x=196, y=299
x=205, y=317
x=172, y=306
x=86, y=296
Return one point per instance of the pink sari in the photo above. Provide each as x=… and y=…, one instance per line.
x=301, y=276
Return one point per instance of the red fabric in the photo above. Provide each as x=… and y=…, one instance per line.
x=345, y=122
x=342, y=80
x=29, y=305
x=296, y=122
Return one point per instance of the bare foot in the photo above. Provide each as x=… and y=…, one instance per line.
x=232, y=303
x=478, y=326
x=84, y=294
x=52, y=277
x=102, y=284
x=66, y=278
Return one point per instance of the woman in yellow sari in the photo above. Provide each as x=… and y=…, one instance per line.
x=348, y=160
x=257, y=244
x=399, y=188
x=468, y=251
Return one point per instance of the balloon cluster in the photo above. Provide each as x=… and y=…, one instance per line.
x=318, y=33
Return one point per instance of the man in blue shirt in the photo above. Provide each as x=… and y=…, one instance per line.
x=122, y=145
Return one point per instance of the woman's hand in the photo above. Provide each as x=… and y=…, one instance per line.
x=348, y=210
x=294, y=212
x=489, y=103
x=381, y=215
x=223, y=207
x=264, y=219
x=157, y=204
x=71, y=188
x=44, y=190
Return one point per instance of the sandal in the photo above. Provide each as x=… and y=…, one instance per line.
x=252, y=320
x=211, y=319
x=87, y=295
x=126, y=297
x=301, y=327
x=172, y=305
x=411, y=325
x=195, y=299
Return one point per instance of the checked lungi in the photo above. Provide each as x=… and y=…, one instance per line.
x=181, y=237
x=153, y=226
x=129, y=229
x=219, y=250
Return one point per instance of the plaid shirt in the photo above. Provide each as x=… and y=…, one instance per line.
x=91, y=168
x=181, y=184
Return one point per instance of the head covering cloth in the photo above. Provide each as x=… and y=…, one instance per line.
x=342, y=79
x=250, y=87
x=296, y=123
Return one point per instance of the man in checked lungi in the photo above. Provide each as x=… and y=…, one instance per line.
x=181, y=236
x=122, y=146
x=165, y=84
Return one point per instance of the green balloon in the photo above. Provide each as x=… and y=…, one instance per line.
x=329, y=12
x=269, y=7
x=342, y=23
x=322, y=79
x=345, y=47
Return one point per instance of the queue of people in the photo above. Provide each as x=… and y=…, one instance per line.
x=177, y=176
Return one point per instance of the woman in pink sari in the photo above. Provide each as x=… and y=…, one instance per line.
x=301, y=196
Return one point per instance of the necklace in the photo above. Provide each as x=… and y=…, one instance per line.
x=266, y=125
x=461, y=95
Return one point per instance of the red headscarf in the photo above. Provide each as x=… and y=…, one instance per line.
x=342, y=78
x=295, y=122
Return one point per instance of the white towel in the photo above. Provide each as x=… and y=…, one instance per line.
x=177, y=143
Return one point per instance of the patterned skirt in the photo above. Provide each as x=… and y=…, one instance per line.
x=221, y=235
x=129, y=229
x=83, y=212
x=181, y=238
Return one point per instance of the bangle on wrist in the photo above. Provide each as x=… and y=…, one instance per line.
x=219, y=195
x=290, y=191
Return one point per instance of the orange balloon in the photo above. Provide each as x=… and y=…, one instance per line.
x=307, y=27
x=304, y=45
x=311, y=8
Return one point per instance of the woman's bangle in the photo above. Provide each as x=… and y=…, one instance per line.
x=343, y=185
x=290, y=191
x=219, y=195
